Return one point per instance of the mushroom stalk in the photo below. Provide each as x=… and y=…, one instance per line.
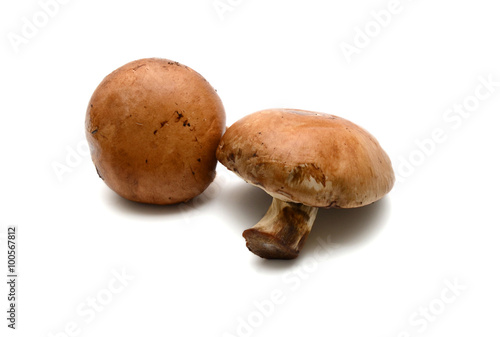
x=282, y=232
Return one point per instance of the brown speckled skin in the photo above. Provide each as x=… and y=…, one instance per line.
x=312, y=158
x=153, y=127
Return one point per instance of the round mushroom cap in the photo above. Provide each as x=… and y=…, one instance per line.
x=153, y=126
x=306, y=157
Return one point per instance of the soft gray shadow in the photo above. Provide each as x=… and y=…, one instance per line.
x=245, y=205
x=345, y=228
x=137, y=208
x=348, y=227
x=339, y=228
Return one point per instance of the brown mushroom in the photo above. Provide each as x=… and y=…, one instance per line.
x=304, y=160
x=153, y=126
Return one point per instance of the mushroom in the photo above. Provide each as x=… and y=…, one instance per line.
x=153, y=126
x=305, y=160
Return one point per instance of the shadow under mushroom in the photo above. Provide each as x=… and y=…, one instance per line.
x=152, y=210
x=349, y=227
x=345, y=227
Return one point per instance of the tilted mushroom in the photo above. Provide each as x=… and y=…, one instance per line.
x=304, y=160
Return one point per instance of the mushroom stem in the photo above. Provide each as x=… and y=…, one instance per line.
x=282, y=232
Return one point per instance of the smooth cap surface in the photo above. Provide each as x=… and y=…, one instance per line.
x=153, y=126
x=312, y=158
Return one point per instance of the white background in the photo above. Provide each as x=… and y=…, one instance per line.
x=190, y=272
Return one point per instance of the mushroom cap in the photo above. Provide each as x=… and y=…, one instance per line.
x=153, y=126
x=306, y=157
